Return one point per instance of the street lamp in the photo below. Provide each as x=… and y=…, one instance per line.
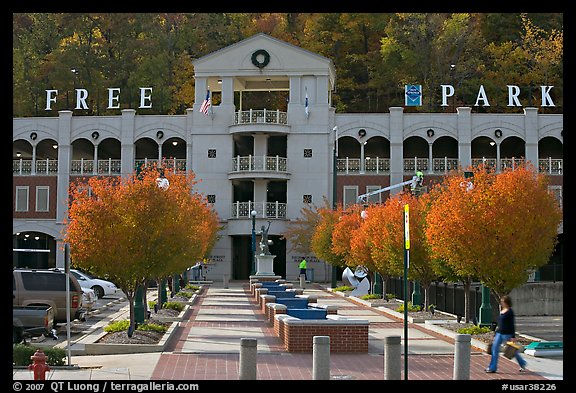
x=334, y=282
x=452, y=66
x=253, y=215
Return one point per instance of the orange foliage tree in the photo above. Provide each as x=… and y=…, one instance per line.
x=497, y=231
x=130, y=230
x=321, y=242
x=384, y=233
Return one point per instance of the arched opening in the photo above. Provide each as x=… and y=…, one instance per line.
x=33, y=250
x=415, y=153
x=349, y=151
x=550, y=155
x=483, y=151
x=445, y=154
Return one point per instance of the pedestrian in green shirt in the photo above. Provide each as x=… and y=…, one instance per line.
x=303, y=268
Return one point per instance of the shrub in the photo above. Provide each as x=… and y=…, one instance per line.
x=370, y=296
x=117, y=326
x=192, y=287
x=154, y=327
x=174, y=306
x=474, y=330
x=21, y=354
x=185, y=294
x=411, y=308
x=343, y=288
x=390, y=296
x=151, y=304
x=121, y=326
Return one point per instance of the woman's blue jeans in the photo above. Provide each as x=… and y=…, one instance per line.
x=499, y=339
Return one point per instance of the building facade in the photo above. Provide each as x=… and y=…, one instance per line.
x=270, y=142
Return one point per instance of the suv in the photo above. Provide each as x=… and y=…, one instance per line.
x=47, y=287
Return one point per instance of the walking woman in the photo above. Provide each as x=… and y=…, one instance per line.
x=504, y=332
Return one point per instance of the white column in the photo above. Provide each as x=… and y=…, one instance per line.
x=396, y=147
x=430, y=158
x=127, y=142
x=95, y=160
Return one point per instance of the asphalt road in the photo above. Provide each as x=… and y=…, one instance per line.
x=549, y=328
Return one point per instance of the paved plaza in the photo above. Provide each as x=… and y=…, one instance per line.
x=207, y=344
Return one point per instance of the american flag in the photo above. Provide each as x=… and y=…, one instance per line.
x=206, y=104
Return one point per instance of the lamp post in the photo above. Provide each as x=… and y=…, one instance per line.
x=75, y=72
x=253, y=215
x=452, y=66
x=334, y=193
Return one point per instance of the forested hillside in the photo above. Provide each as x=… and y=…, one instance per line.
x=375, y=55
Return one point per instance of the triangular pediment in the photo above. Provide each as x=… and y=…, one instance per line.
x=271, y=55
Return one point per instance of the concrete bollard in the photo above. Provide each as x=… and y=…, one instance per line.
x=321, y=357
x=225, y=281
x=392, y=361
x=462, y=357
x=248, y=349
x=302, y=281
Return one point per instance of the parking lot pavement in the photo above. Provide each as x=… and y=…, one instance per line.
x=548, y=328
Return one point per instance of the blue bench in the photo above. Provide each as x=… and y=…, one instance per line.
x=307, y=313
x=294, y=302
x=282, y=294
x=266, y=284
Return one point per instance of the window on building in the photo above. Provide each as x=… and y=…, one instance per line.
x=307, y=153
x=377, y=198
x=22, y=193
x=350, y=195
x=42, y=198
x=211, y=198
x=307, y=198
x=211, y=153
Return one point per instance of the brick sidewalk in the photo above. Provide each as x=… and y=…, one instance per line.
x=277, y=364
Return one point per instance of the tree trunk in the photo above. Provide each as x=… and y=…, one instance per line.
x=425, y=288
x=132, y=328
x=467, y=283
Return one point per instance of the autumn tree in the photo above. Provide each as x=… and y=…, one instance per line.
x=321, y=242
x=384, y=225
x=494, y=232
x=131, y=230
x=299, y=232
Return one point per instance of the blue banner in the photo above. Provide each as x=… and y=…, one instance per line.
x=413, y=95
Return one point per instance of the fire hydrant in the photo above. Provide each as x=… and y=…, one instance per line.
x=39, y=366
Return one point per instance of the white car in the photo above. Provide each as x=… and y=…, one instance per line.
x=88, y=298
x=101, y=287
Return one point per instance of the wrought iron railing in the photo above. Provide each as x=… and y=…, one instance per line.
x=263, y=209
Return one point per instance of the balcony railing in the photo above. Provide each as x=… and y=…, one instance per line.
x=487, y=162
x=348, y=165
x=21, y=167
x=377, y=165
x=82, y=167
x=444, y=164
x=176, y=164
x=259, y=163
x=260, y=116
x=43, y=167
x=551, y=166
x=506, y=163
x=263, y=209
x=412, y=165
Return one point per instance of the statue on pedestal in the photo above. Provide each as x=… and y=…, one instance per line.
x=264, y=242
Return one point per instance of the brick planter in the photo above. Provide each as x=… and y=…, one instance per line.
x=346, y=334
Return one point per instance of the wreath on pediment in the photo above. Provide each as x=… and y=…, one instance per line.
x=264, y=62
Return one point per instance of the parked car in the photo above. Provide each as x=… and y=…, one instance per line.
x=32, y=321
x=88, y=299
x=47, y=287
x=101, y=287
